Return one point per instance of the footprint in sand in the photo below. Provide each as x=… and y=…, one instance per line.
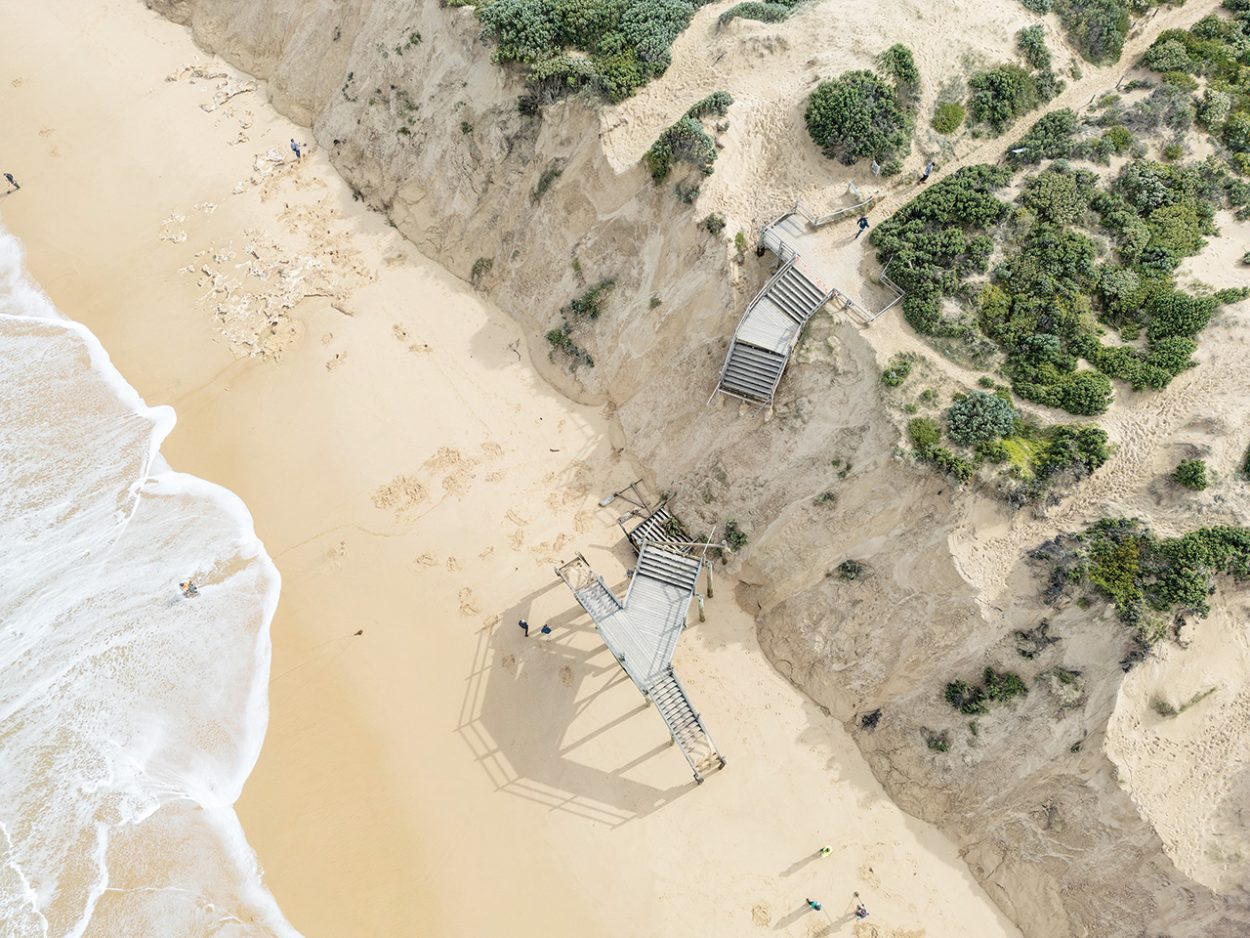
x=492, y=450
x=426, y=560
x=495, y=477
x=453, y=564
x=399, y=332
x=566, y=676
x=334, y=555
x=327, y=338
x=517, y=540
x=760, y=914
x=508, y=663
x=515, y=518
x=338, y=359
x=399, y=495
x=486, y=553
x=467, y=606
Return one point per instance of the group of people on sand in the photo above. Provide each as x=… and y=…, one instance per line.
x=861, y=910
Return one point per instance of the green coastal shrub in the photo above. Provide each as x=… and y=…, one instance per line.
x=948, y=117
x=1191, y=473
x=685, y=141
x=1149, y=579
x=1003, y=93
x=939, y=237
x=898, y=62
x=896, y=371
x=751, y=10
x=1031, y=41
x=857, y=115
x=589, y=305
x=623, y=43
x=1050, y=138
x=978, y=418
x=1096, y=28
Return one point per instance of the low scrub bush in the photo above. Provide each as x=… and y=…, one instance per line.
x=978, y=418
x=1001, y=94
x=857, y=115
x=896, y=371
x=590, y=303
x=561, y=341
x=1149, y=579
x=771, y=11
x=713, y=223
x=948, y=117
x=624, y=43
x=1050, y=138
x=1031, y=41
x=1191, y=473
x=686, y=142
x=1096, y=28
x=735, y=537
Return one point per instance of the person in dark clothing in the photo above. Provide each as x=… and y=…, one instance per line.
x=295, y=149
x=524, y=627
x=860, y=910
x=546, y=630
x=12, y=182
x=928, y=168
x=814, y=905
x=863, y=226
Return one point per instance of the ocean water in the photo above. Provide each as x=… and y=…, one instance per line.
x=130, y=715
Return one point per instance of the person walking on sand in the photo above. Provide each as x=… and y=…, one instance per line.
x=928, y=168
x=863, y=226
x=860, y=910
x=814, y=905
x=296, y=150
x=524, y=627
x=825, y=851
x=12, y=182
x=188, y=588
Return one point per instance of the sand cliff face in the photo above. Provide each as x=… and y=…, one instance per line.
x=1041, y=795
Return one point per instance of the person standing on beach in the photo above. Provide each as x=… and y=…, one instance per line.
x=825, y=851
x=188, y=588
x=814, y=905
x=928, y=168
x=863, y=226
x=524, y=627
x=295, y=149
x=546, y=630
x=12, y=182
x=860, y=910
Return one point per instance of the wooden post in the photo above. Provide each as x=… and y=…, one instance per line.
x=709, y=580
x=702, y=617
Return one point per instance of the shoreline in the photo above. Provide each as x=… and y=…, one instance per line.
x=412, y=476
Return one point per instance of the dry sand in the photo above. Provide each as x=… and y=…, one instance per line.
x=413, y=478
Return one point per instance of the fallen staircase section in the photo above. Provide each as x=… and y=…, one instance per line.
x=642, y=630
x=769, y=330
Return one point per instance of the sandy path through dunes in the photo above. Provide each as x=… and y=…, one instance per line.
x=435, y=774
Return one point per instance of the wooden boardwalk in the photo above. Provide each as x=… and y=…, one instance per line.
x=642, y=630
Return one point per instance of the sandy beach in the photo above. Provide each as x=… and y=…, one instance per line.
x=427, y=769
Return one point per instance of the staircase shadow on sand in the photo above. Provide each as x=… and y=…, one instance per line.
x=555, y=720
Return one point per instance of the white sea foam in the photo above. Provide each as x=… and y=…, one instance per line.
x=130, y=715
